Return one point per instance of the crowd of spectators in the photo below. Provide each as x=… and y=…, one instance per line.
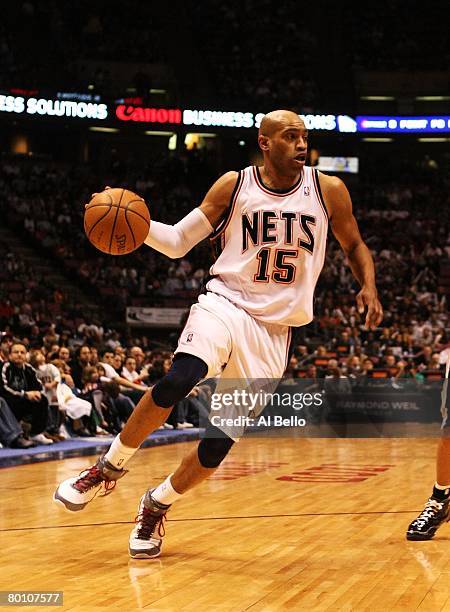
x=45, y=200
x=403, y=213
x=52, y=393
x=403, y=217
x=54, y=387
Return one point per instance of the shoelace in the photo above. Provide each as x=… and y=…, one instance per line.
x=93, y=478
x=149, y=520
x=432, y=507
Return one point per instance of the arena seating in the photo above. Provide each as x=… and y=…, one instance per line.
x=406, y=229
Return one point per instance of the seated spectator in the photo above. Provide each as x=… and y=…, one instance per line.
x=367, y=367
x=409, y=371
x=434, y=363
x=343, y=343
x=91, y=391
x=49, y=376
x=139, y=357
x=288, y=376
x=353, y=366
x=5, y=346
x=390, y=361
x=64, y=354
x=11, y=432
x=23, y=392
x=73, y=406
x=93, y=359
x=117, y=363
x=115, y=406
x=336, y=382
x=311, y=373
x=424, y=357
x=129, y=371
x=79, y=362
x=131, y=389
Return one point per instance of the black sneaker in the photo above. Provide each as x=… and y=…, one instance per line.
x=429, y=520
x=146, y=538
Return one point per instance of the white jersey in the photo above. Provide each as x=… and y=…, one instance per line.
x=271, y=248
x=47, y=372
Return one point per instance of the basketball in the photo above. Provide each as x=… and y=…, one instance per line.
x=116, y=221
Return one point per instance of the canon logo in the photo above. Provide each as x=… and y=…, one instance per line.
x=148, y=115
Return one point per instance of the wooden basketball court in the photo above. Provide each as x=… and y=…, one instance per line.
x=314, y=524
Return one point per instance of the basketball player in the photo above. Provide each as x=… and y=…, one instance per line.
x=269, y=225
x=437, y=508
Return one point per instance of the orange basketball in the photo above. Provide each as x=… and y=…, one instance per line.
x=116, y=221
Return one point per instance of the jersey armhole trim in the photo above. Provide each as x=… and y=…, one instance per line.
x=229, y=211
x=289, y=348
x=319, y=193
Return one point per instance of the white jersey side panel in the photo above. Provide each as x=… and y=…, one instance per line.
x=272, y=248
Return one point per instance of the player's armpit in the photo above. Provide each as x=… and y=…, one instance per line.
x=339, y=205
x=218, y=198
x=346, y=231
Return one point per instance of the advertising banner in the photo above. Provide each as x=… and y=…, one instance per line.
x=154, y=317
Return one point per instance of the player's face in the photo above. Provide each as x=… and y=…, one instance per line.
x=288, y=147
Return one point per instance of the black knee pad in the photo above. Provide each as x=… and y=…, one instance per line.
x=213, y=449
x=185, y=373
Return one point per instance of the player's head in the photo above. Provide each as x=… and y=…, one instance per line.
x=283, y=139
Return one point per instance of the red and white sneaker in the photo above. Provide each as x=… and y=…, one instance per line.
x=146, y=538
x=76, y=492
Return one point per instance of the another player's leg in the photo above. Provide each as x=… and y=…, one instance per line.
x=146, y=538
x=150, y=413
x=437, y=508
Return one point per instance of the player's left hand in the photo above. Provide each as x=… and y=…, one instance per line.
x=368, y=298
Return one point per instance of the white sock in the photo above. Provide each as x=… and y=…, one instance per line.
x=441, y=487
x=165, y=493
x=119, y=454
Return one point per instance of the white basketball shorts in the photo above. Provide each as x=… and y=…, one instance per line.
x=236, y=347
x=232, y=343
